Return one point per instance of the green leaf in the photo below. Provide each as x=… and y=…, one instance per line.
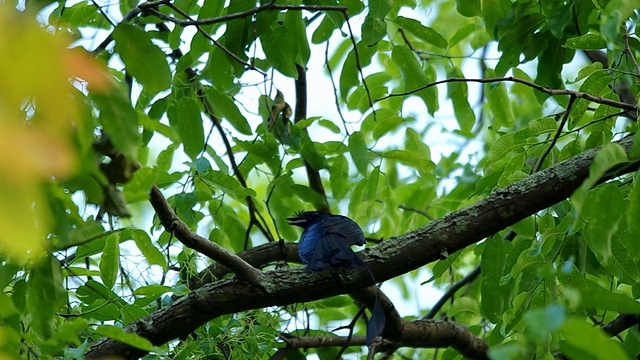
x=339, y=176
x=633, y=213
x=494, y=11
x=503, y=146
x=379, y=8
x=110, y=260
x=280, y=46
x=359, y=152
x=492, y=263
x=459, y=95
x=596, y=297
x=500, y=104
x=469, y=8
x=219, y=69
x=586, y=42
x=608, y=157
x=149, y=251
x=82, y=234
x=93, y=291
x=224, y=106
x=117, y=333
x=615, y=14
x=583, y=340
x=144, y=60
x=414, y=77
x=187, y=122
x=120, y=122
x=138, y=187
x=603, y=225
x=295, y=24
x=541, y=323
x=413, y=142
x=228, y=184
x=595, y=84
x=44, y=296
x=373, y=30
x=324, y=31
x=623, y=264
x=236, y=37
x=387, y=121
x=422, y=32
x=413, y=159
x=349, y=76
x=311, y=155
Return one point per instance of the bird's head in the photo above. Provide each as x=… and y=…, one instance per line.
x=305, y=218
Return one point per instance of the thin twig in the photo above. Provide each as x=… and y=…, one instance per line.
x=268, y=6
x=356, y=54
x=335, y=89
x=544, y=89
x=565, y=117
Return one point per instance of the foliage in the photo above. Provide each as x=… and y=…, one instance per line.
x=428, y=108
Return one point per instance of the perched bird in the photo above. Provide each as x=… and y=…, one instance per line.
x=327, y=239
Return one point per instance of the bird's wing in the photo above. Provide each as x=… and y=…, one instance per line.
x=331, y=250
x=344, y=227
x=308, y=241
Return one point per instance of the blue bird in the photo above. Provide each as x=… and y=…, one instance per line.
x=326, y=241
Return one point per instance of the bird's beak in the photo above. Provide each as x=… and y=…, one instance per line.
x=294, y=220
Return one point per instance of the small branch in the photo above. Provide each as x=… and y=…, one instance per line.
x=253, y=218
x=546, y=90
x=313, y=175
x=556, y=136
x=335, y=89
x=209, y=37
x=130, y=15
x=468, y=279
x=181, y=231
x=394, y=323
x=268, y=6
x=258, y=257
x=359, y=65
x=421, y=212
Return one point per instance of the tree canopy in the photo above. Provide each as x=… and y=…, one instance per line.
x=150, y=153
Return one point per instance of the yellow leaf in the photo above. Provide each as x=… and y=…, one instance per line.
x=38, y=115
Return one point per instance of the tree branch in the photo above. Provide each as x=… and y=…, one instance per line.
x=621, y=323
x=313, y=175
x=546, y=90
x=181, y=231
x=391, y=258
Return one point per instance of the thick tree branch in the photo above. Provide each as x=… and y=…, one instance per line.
x=389, y=259
x=258, y=257
x=439, y=333
x=416, y=334
x=621, y=323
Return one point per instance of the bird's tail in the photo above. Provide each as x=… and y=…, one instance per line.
x=376, y=323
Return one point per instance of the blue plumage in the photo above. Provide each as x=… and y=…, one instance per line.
x=327, y=239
